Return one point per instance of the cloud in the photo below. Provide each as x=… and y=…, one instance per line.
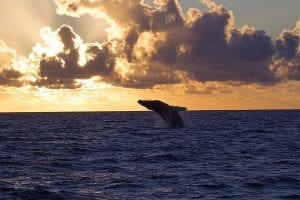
x=286, y=62
x=163, y=45
x=208, y=88
x=10, y=78
x=63, y=69
x=287, y=45
x=209, y=50
x=194, y=90
x=123, y=12
x=8, y=75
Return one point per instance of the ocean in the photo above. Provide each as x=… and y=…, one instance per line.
x=134, y=155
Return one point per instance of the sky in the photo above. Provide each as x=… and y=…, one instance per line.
x=96, y=55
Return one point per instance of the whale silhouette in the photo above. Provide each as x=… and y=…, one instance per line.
x=167, y=112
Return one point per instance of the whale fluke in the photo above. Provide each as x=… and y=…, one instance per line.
x=167, y=112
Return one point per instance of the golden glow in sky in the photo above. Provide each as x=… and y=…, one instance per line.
x=63, y=55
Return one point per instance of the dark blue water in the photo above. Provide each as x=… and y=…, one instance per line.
x=133, y=155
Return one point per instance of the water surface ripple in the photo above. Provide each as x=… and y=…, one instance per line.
x=133, y=155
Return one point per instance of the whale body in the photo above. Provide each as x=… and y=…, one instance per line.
x=167, y=112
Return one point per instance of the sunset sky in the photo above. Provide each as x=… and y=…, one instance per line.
x=99, y=55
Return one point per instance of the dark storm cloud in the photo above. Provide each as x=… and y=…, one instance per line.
x=287, y=45
x=294, y=72
x=130, y=40
x=148, y=76
x=216, y=53
x=62, y=70
x=10, y=78
x=252, y=46
x=287, y=59
x=8, y=75
x=204, y=47
x=170, y=16
x=289, y=70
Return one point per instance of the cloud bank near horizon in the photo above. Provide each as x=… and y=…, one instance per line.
x=149, y=45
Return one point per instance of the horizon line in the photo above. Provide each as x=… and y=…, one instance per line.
x=105, y=111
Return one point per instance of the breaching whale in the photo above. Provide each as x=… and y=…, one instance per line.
x=167, y=112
